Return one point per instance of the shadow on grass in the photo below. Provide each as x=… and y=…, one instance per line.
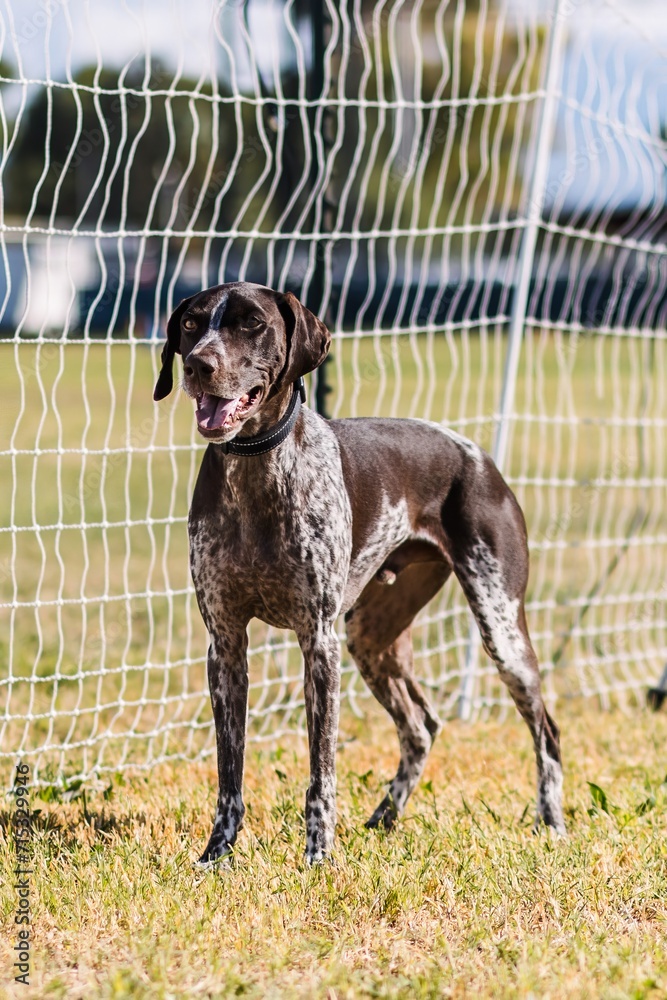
x=63, y=825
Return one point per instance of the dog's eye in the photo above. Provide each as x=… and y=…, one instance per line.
x=253, y=321
x=189, y=323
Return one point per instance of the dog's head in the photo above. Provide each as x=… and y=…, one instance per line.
x=241, y=344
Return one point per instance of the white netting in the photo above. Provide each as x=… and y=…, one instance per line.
x=432, y=178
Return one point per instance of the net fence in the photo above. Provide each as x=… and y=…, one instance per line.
x=471, y=194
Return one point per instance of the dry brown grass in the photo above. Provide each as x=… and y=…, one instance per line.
x=461, y=901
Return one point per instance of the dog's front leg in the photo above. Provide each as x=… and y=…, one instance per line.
x=321, y=653
x=228, y=684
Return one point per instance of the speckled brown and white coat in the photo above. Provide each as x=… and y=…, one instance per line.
x=361, y=517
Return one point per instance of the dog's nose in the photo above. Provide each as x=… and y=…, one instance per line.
x=197, y=364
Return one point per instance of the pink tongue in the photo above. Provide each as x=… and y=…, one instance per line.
x=213, y=412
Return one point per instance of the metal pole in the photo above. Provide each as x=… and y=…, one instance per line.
x=318, y=22
x=656, y=695
x=533, y=201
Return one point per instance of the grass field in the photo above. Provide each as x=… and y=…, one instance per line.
x=460, y=901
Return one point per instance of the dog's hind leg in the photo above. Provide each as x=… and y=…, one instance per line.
x=379, y=638
x=493, y=573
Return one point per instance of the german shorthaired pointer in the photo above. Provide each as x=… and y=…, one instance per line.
x=296, y=519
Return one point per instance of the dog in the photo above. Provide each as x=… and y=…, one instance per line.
x=296, y=519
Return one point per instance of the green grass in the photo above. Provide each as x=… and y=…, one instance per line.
x=460, y=901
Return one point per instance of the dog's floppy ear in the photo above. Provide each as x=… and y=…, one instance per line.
x=307, y=338
x=165, y=381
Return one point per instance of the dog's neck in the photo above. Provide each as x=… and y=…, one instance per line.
x=269, y=414
x=252, y=479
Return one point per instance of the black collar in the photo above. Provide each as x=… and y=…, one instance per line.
x=261, y=443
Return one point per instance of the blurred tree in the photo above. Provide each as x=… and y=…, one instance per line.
x=468, y=170
x=133, y=149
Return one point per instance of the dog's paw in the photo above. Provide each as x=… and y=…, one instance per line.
x=316, y=858
x=385, y=815
x=554, y=830
x=214, y=864
x=215, y=856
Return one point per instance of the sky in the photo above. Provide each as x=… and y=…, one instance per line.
x=173, y=31
x=179, y=31
x=622, y=41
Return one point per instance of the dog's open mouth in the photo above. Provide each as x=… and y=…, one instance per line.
x=214, y=413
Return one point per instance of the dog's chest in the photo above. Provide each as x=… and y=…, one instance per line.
x=281, y=557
